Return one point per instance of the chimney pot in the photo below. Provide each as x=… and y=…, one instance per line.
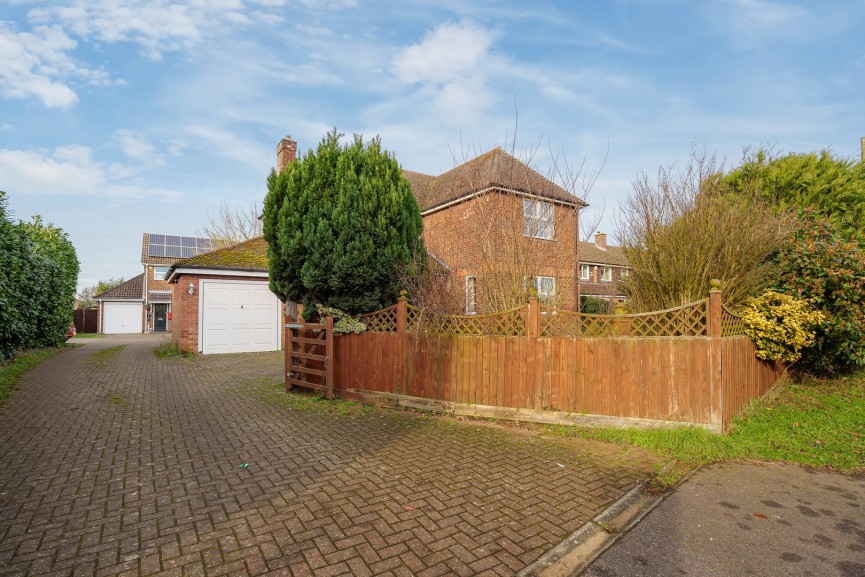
x=601, y=240
x=286, y=151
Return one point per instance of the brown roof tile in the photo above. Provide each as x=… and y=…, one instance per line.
x=249, y=255
x=131, y=290
x=495, y=168
x=613, y=255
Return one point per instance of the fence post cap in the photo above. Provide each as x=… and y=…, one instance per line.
x=619, y=309
x=533, y=292
x=715, y=284
x=403, y=295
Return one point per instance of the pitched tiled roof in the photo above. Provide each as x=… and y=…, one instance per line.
x=590, y=253
x=131, y=290
x=249, y=255
x=495, y=168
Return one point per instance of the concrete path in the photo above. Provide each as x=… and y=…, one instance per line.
x=126, y=464
x=748, y=519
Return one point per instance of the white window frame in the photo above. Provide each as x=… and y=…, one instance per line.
x=606, y=274
x=157, y=276
x=546, y=287
x=471, y=295
x=624, y=273
x=585, y=272
x=539, y=219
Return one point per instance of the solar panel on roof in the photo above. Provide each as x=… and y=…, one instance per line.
x=169, y=246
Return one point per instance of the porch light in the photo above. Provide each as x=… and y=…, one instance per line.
x=191, y=289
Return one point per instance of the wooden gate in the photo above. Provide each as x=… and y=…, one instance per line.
x=309, y=356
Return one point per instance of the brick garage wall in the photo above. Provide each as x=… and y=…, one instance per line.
x=184, y=307
x=477, y=235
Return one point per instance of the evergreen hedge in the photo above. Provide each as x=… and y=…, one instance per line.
x=38, y=276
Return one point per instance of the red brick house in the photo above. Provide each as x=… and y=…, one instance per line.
x=499, y=226
x=602, y=267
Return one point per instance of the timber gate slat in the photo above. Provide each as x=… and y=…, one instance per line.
x=309, y=356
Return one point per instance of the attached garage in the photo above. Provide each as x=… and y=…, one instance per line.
x=238, y=316
x=121, y=309
x=121, y=317
x=221, y=302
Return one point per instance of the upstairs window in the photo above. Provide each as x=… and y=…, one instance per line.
x=585, y=272
x=471, y=295
x=538, y=219
x=607, y=274
x=159, y=272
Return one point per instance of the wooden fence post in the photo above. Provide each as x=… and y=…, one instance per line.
x=401, y=311
x=329, y=361
x=533, y=318
x=401, y=324
x=623, y=323
x=716, y=394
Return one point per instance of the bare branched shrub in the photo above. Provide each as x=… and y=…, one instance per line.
x=233, y=223
x=683, y=228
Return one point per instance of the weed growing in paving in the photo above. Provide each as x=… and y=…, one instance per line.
x=104, y=355
x=118, y=401
x=167, y=349
x=12, y=371
x=275, y=393
x=815, y=423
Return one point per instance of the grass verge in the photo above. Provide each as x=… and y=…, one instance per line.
x=12, y=371
x=817, y=423
x=88, y=336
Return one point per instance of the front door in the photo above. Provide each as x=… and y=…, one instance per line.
x=160, y=316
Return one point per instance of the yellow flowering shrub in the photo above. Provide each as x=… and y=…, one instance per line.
x=780, y=325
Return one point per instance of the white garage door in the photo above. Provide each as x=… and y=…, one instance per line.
x=238, y=317
x=120, y=318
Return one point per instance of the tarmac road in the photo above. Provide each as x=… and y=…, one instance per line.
x=748, y=519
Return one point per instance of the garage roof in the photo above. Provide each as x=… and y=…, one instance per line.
x=249, y=255
x=131, y=290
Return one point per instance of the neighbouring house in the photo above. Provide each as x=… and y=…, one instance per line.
x=121, y=309
x=158, y=253
x=221, y=301
x=499, y=226
x=602, y=267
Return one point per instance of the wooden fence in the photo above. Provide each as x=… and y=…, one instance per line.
x=686, y=365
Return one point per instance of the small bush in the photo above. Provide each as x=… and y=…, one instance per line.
x=594, y=306
x=342, y=322
x=780, y=326
x=826, y=266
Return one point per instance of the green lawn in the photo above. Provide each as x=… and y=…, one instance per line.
x=11, y=371
x=819, y=423
x=89, y=336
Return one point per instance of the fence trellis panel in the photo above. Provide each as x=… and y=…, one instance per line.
x=662, y=367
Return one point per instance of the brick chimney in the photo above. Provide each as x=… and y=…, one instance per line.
x=286, y=151
x=601, y=240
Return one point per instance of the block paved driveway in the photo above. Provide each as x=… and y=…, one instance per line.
x=127, y=464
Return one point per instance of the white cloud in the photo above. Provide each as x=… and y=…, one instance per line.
x=135, y=147
x=36, y=64
x=70, y=171
x=452, y=65
x=753, y=23
x=158, y=27
x=232, y=146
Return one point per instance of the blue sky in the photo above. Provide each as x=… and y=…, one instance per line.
x=119, y=117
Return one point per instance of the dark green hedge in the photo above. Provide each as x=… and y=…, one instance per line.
x=38, y=276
